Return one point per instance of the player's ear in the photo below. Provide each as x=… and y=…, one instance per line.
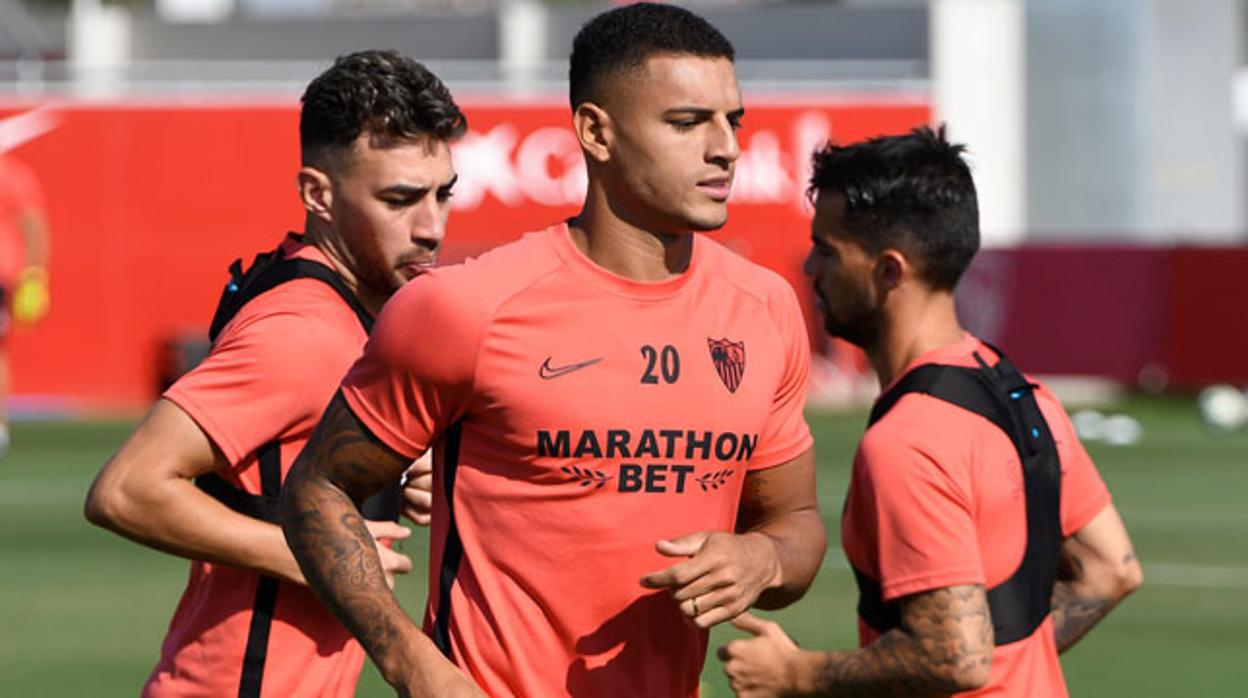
x=316, y=189
x=891, y=267
x=592, y=125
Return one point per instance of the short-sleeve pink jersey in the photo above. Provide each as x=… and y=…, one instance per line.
x=268, y=378
x=936, y=500
x=577, y=418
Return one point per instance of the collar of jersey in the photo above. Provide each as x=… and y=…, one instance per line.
x=296, y=245
x=613, y=283
x=960, y=353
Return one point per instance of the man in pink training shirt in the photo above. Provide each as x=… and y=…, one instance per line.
x=615, y=405
x=983, y=539
x=200, y=476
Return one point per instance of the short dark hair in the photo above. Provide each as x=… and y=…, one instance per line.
x=623, y=38
x=913, y=193
x=381, y=92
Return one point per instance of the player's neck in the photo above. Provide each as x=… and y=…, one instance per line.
x=913, y=325
x=627, y=248
x=332, y=246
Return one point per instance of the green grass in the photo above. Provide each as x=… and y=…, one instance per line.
x=82, y=612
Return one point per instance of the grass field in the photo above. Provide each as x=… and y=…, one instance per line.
x=82, y=612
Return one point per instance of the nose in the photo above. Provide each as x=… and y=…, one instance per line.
x=723, y=146
x=429, y=222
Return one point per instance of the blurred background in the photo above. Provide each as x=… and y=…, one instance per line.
x=1107, y=138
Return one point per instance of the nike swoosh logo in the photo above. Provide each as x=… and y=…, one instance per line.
x=548, y=372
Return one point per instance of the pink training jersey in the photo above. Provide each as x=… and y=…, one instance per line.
x=936, y=500
x=579, y=417
x=270, y=374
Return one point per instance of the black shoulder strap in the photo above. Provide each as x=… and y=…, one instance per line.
x=270, y=270
x=1003, y=396
x=967, y=388
x=267, y=271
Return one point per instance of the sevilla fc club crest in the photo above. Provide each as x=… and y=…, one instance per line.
x=729, y=358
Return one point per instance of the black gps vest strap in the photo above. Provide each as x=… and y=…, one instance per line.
x=266, y=272
x=1002, y=395
x=252, y=676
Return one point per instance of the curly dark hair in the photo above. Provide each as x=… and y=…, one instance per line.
x=381, y=92
x=913, y=193
x=622, y=39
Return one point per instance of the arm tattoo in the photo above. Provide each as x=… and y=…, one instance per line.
x=1074, y=616
x=944, y=635
x=341, y=465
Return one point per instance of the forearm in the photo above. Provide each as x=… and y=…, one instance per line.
x=798, y=540
x=894, y=665
x=1074, y=614
x=176, y=517
x=339, y=559
x=1097, y=568
x=944, y=645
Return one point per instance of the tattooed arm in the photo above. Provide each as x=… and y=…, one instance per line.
x=771, y=559
x=1097, y=569
x=944, y=645
x=341, y=466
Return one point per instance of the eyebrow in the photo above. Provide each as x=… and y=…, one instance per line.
x=408, y=190
x=701, y=112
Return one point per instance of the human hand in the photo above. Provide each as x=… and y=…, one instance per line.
x=30, y=296
x=393, y=563
x=418, y=491
x=762, y=666
x=723, y=576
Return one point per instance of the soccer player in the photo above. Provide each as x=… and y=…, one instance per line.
x=615, y=403
x=375, y=180
x=983, y=539
x=23, y=265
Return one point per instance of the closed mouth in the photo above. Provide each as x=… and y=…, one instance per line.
x=417, y=268
x=718, y=187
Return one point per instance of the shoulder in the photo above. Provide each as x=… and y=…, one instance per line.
x=294, y=328
x=923, y=431
x=749, y=277
x=478, y=285
x=1060, y=426
x=305, y=307
x=764, y=286
x=451, y=306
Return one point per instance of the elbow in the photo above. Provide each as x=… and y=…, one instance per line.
x=969, y=673
x=110, y=505
x=103, y=506
x=1114, y=582
x=1129, y=577
x=956, y=670
x=972, y=675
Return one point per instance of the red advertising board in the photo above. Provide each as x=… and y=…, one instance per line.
x=149, y=202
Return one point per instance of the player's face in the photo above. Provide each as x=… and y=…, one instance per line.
x=843, y=274
x=675, y=147
x=390, y=207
